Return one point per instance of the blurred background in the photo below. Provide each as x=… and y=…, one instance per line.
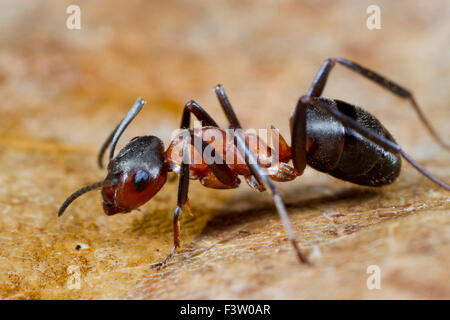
x=62, y=91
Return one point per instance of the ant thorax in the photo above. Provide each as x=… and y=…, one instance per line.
x=220, y=148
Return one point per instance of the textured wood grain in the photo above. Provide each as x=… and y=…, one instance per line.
x=63, y=91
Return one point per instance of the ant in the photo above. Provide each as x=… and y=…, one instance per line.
x=331, y=136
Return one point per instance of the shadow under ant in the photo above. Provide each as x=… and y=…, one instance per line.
x=226, y=218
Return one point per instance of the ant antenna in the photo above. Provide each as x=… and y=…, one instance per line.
x=105, y=146
x=78, y=193
x=117, y=132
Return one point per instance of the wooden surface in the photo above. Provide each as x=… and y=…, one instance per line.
x=63, y=91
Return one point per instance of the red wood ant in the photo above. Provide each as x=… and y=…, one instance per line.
x=329, y=135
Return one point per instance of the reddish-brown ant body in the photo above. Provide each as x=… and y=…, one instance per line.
x=329, y=135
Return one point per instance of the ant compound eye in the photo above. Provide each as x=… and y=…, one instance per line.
x=115, y=180
x=141, y=179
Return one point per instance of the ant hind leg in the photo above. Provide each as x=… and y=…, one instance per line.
x=369, y=134
x=321, y=78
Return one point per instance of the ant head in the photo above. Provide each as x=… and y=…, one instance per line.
x=135, y=175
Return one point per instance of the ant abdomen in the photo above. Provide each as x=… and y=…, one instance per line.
x=341, y=152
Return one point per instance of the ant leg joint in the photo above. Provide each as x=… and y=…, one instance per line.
x=305, y=99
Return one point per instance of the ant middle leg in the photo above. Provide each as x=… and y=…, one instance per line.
x=320, y=80
x=256, y=169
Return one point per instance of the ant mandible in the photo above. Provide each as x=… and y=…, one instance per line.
x=329, y=135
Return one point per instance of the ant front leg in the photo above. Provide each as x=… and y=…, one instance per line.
x=256, y=169
x=190, y=107
x=183, y=188
x=200, y=114
x=320, y=81
x=219, y=169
